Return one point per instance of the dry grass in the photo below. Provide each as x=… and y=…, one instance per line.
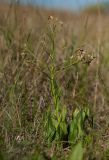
x=25, y=86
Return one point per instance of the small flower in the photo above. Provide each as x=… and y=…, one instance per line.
x=79, y=54
x=50, y=18
x=18, y=138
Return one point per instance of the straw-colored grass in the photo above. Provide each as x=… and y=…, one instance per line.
x=53, y=84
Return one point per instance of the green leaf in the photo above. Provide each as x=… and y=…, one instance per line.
x=77, y=152
x=64, y=113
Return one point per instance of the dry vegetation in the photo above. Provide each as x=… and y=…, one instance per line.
x=53, y=69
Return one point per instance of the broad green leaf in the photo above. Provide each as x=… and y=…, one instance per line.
x=77, y=152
